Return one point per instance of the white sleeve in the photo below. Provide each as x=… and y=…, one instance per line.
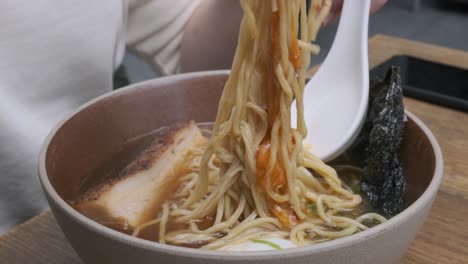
x=54, y=56
x=154, y=31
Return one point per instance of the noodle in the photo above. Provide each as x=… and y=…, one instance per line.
x=255, y=179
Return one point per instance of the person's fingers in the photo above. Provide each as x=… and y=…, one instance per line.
x=335, y=11
x=330, y=18
x=376, y=5
x=337, y=5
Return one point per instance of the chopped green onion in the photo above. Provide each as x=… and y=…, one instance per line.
x=261, y=241
x=312, y=209
x=369, y=222
x=356, y=188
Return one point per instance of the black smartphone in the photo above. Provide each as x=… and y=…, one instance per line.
x=429, y=81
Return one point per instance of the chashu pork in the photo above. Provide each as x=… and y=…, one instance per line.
x=136, y=195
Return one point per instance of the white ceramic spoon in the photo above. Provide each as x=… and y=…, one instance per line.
x=335, y=99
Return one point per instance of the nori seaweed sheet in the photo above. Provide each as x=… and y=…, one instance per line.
x=377, y=148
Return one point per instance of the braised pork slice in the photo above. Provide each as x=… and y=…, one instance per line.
x=136, y=195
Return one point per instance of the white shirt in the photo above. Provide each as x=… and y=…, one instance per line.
x=155, y=29
x=54, y=56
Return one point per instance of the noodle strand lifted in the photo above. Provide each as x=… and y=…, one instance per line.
x=254, y=179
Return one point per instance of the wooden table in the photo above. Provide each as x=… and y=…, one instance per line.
x=444, y=236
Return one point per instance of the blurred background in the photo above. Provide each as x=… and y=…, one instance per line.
x=440, y=22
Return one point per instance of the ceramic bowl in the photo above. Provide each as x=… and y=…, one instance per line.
x=91, y=136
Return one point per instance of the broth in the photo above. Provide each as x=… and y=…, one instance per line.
x=132, y=148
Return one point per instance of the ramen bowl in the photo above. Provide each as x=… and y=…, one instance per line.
x=92, y=136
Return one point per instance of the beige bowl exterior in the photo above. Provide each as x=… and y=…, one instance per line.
x=92, y=134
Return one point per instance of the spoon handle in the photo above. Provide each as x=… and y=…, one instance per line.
x=335, y=99
x=350, y=44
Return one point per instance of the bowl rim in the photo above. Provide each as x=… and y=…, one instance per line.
x=425, y=198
